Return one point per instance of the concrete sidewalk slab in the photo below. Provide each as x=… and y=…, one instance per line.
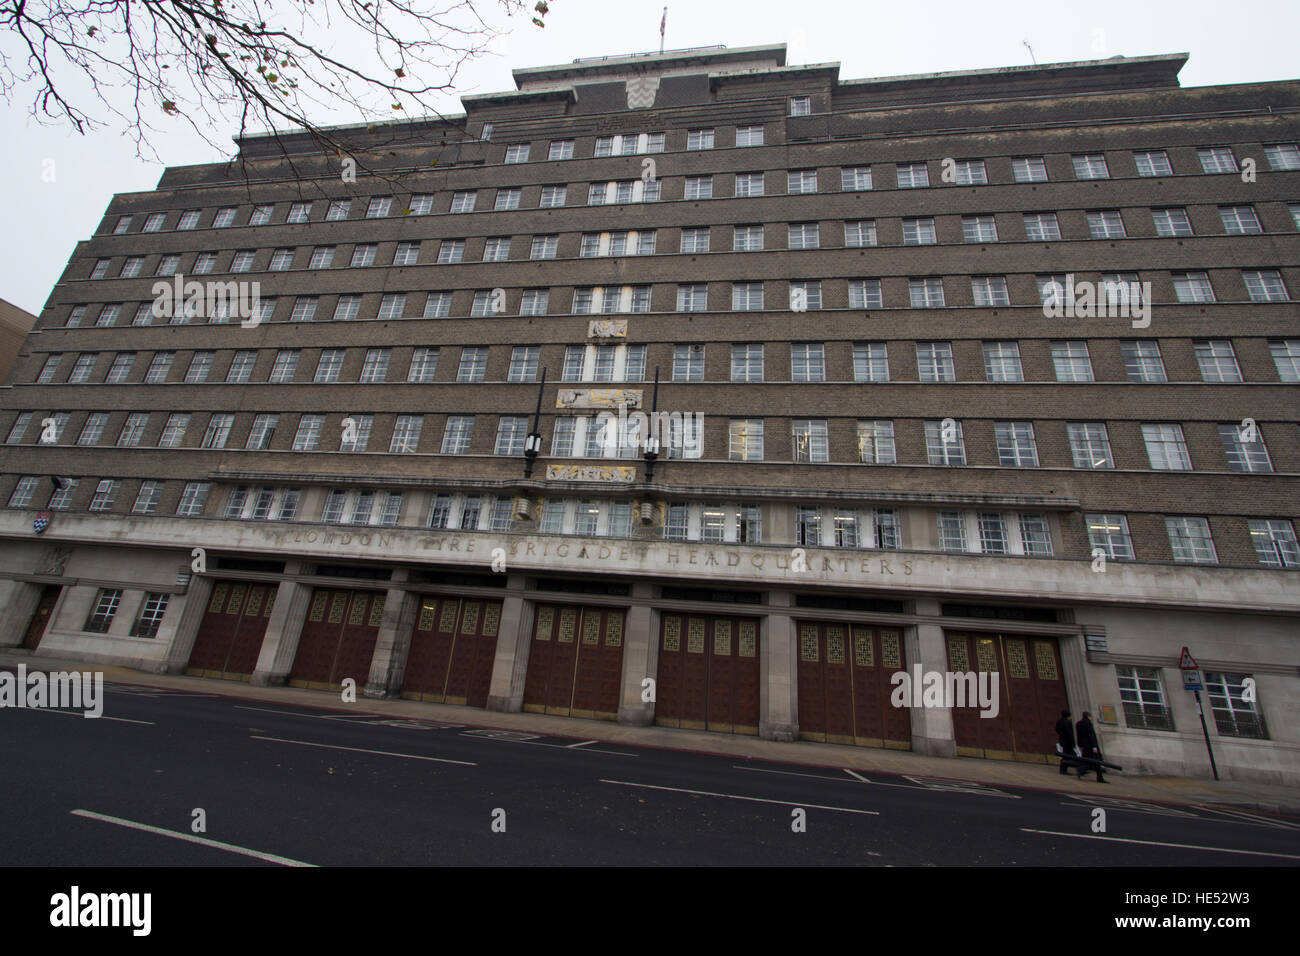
x=1241, y=795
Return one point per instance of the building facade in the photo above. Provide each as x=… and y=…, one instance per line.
x=700, y=389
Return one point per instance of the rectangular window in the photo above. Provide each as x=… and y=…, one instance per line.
x=855, y=178
x=123, y=225
x=1217, y=361
x=1041, y=226
x=1172, y=221
x=534, y=301
x=749, y=135
x=918, y=232
x=507, y=199
x=424, y=363
x=193, y=498
x=876, y=442
x=23, y=491
x=1265, y=285
x=205, y=263
x=1143, y=698
x=218, y=431
x=1142, y=361
x=747, y=363
x=801, y=181
x=363, y=255
x=517, y=153
x=375, y=368
x=101, y=615
x=1275, y=542
x=347, y=308
x=804, y=235
x=808, y=362
x=457, y=435
x=511, y=432
x=1217, y=159
x=979, y=229
x=286, y=364
x=1029, y=169
x=1090, y=166
x=989, y=290
x=926, y=293
x=699, y=187
x=1109, y=533
x=1244, y=448
x=993, y=533
x=93, y=429
x=560, y=149
x=543, y=247
x=871, y=362
x=19, y=428
x=1090, y=445
x=451, y=250
x=1240, y=220
x=1106, y=224
x=299, y=212
x=263, y=430
x=406, y=254
x=463, y=201
x=699, y=139
x=261, y=215
x=1153, y=163
x=944, y=442
x=913, y=175
x=688, y=363
x=329, y=365
x=146, y=500
x=281, y=260
x=1166, y=447
x=1286, y=358
x=523, y=363
x=1193, y=287
x=1016, y=447
x=971, y=172
x=1071, y=361
x=200, y=367
x=473, y=364
x=746, y=296
x=934, y=362
x=406, y=434
x=1002, y=362
x=695, y=239
x=84, y=365
x=1035, y=535
x=749, y=185
x=1234, y=714
x=1190, y=541
x=159, y=366
x=745, y=439
x=860, y=233
x=952, y=531
x=553, y=196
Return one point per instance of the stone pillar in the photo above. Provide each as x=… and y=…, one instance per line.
x=1074, y=668
x=18, y=599
x=640, y=657
x=514, y=639
x=932, y=728
x=283, y=630
x=778, y=688
x=197, y=596
x=388, y=663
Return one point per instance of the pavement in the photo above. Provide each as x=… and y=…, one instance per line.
x=1161, y=789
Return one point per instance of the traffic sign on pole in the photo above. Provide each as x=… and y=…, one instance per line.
x=1186, y=661
x=1192, y=680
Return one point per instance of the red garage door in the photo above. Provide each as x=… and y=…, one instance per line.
x=230, y=635
x=453, y=647
x=575, y=662
x=1031, y=693
x=338, y=638
x=844, y=685
x=708, y=673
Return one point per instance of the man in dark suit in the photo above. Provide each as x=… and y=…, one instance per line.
x=1089, y=746
x=1065, y=737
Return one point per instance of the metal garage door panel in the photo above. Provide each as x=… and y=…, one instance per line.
x=668, y=674
x=746, y=711
x=898, y=720
x=695, y=673
x=1036, y=701
x=837, y=678
x=812, y=687
x=357, y=638
x=318, y=641
x=721, y=635
x=540, y=653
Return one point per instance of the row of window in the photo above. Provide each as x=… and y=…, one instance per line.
x=935, y=363
x=747, y=237
x=912, y=175
x=596, y=436
x=976, y=532
x=1121, y=293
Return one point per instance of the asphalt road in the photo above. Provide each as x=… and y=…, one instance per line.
x=287, y=785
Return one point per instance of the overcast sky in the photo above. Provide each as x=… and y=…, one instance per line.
x=1229, y=42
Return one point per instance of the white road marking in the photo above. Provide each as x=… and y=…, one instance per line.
x=582, y=744
x=855, y=775
x=1250, y=818
x=296, y=713
x=936, y=785
x=361, y=750
x=806, y=776
x=1119, y=803
x=190, y=838
x=734, y=796
x=78, y=713
x=1178, y=846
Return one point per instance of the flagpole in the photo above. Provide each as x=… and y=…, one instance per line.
x=663, y=23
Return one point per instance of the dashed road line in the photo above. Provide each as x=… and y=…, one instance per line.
x=1177, y=846
x=734, y=796
x=362, y=750
x=190, y=838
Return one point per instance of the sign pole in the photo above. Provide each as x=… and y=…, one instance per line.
x=1205, y=730
x=1192, y=681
